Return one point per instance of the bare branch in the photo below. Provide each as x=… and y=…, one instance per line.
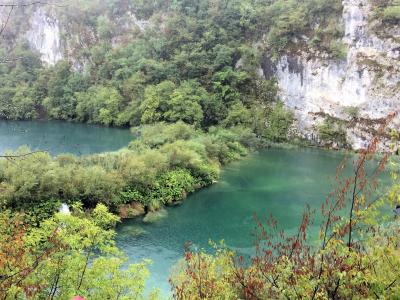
x=6, y=60
x=28, y=4
x=4, y=25
x=21, y=155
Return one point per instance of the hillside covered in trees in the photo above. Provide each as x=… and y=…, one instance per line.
x=126, y=63
x=200, y=84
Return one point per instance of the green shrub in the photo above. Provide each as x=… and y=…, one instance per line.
x=391, y=13
x=279, y=120
x=159, y=134
x=174, y=185
x=338, y=49
x=332, y=130
x=386, y=11
x=65, y=256
x=352, y=111
x=131, y=195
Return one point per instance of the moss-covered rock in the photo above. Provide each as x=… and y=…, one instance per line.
x=131, y=210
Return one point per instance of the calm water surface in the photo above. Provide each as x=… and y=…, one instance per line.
x=276, y=181
x=61, y=137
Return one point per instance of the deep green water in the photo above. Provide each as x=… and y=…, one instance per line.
x=61, y=137
x=276, y=181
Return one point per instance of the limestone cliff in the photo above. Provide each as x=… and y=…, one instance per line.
x=368, y=80
x=59, y=35
x=44, y=36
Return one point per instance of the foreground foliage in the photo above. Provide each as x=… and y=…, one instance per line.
x=66, y=256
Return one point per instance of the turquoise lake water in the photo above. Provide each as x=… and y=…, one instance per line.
x=62, y=137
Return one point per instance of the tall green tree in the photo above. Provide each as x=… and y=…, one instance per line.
x=155, y=102
x=99, y=104
x=185, y=103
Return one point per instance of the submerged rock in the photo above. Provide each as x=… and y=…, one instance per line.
x=133, y=230
x=155, y=216
x=175, y=203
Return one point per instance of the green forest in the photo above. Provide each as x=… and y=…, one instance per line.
x=196, y=62
x=188, y=86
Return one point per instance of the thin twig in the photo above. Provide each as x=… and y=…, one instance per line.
x=22, y=155
x=3, y=27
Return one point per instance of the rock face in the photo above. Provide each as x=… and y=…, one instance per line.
x=44, y=36
x=368, y=79
x=55, y=40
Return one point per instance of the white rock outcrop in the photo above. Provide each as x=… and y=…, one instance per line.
x=368, y=79
x=45, y=30
x=44, y=36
